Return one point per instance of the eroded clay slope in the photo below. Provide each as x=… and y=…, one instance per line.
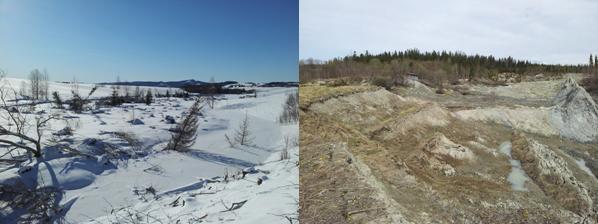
x=437, y=166
x=550, y=171
x=575, y=113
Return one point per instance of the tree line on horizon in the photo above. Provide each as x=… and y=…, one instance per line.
x=594, y=62
x=434, y=66
x=591, y=83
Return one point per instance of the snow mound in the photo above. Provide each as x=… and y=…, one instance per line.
x=136, y=122
x=63, y=173
x=64, y=131
x=193, y=186
x=575, y=113
x=169, y=119
x=217, y=201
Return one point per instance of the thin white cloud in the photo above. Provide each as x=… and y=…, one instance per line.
x=548, y=31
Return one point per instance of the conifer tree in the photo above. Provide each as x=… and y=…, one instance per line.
x=57, y=100
x=186, y=132
x=148, y=97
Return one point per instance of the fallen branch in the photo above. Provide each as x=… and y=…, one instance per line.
x=202, y=193
x=288, y=217
x=11, y=161
x=176, y=202
x=234, y=206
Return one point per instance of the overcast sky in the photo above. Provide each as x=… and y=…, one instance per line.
x=546, y=31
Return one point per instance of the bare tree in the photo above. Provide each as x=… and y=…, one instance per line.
x=211, y=92
x=243, y=134
x=185, y=133
x=16, y=124
x=23, y=90
x=117, y=84
x=34, y=84
x=138, y=94
x=284, y=154
x=75, y=86
x=290, y=112
x=230, y=141
x=44, y=85
x=39, y=84
x=126, y=92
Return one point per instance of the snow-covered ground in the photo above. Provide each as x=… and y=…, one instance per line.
x=166, y=186
x=64, y=89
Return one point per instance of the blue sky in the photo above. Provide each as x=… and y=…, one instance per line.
x=547, y=31
x=96, y=41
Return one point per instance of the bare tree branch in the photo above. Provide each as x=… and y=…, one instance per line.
x=14, y=117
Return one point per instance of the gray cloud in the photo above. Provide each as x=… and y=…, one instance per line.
x=547, y=31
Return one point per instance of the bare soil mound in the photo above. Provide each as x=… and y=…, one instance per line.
x=575, y=113
x=550, y=171
x=412, y=159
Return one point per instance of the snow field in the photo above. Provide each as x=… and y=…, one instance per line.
x=93, y=187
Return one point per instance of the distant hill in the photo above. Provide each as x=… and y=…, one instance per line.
x=280, y=84
x=173, y=84
x=192, y=82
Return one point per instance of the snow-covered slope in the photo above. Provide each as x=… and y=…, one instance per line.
x=210, y=200
x=99, y=186
x=64, y=89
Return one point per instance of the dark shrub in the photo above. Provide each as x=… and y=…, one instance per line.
x=382, y=82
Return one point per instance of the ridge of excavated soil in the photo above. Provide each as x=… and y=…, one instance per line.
x=434, y=165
